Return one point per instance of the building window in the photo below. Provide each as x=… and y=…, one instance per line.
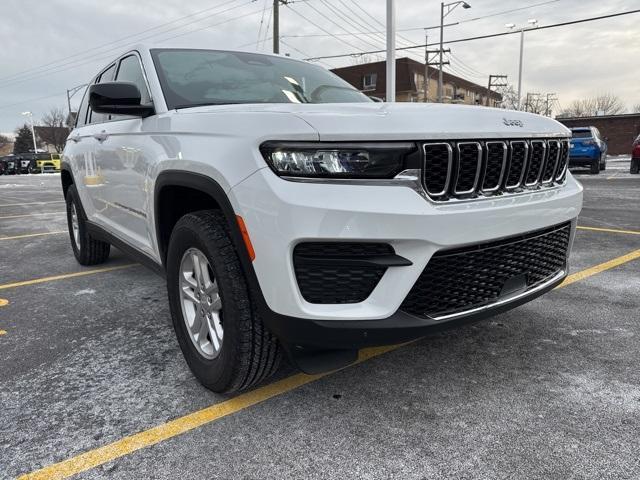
x=369, y=81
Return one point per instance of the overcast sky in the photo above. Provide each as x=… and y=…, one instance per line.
x=573, y=62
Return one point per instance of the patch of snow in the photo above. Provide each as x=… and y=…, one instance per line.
x=86, y=291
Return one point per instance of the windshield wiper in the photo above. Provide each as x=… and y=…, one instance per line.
x=204, y=104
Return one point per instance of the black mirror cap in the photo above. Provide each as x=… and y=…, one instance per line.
x=119, y=98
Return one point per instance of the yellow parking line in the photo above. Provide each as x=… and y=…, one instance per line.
x=66, y=275
x=600, y=268
x=3, y=302
x=3, y=332
x=32, y=215
x=130, y=444
x=119, y=448
x=29, y=203
x=33, y=235
x=609, y=230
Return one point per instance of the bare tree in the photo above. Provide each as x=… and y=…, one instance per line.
x=4, y=140
x=56, y=132
x=509, y=97
x=636, y=108
x=603, y=104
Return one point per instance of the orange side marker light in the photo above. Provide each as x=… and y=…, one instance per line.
x=245, y=237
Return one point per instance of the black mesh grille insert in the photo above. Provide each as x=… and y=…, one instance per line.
x=564, y=158
x=553, y=149
x=470, y=277
x=536, y=162
x=469, y=164
x=517, y=162
x=437, y=167
x=332, y=282
x=496, y=157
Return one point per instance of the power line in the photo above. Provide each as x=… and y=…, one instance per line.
x=107, y=54
x=481, y=37
x=119, y=40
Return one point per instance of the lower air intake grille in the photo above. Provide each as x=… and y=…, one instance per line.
x=329, y=282
x=466, y=278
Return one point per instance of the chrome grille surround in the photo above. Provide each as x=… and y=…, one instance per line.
x=518, y=157
x=501, y=167
x=466, y=169
x=494, y=162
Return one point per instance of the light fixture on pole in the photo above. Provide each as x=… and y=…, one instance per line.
x=449, y=8
x=511, y=26
x=33, y=133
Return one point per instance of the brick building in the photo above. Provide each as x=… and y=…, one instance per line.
x=620, y=130
x=370, y=78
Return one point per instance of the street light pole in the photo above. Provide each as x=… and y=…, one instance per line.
x=533, y=22
x=520, y=66
x=391, y=51
x=33, y=133
x=450, y=7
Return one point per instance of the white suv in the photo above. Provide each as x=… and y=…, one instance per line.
x=289, y=212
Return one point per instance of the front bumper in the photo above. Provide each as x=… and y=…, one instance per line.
x=279, y=214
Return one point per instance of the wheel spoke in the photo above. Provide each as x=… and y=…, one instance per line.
x=213, y=334
x=197, y=271
x=217, y=326
x=189, y=294
x=212, y=289
x=216, y=303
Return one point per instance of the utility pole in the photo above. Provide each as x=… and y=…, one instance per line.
x=494, y=81
x=431, y=59
x=276, y=24
x=450, y=7
x=70, y=93
x=391, y=51
x=550, y=98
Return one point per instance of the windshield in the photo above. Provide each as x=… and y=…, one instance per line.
x=209, y=77
x=581, y=134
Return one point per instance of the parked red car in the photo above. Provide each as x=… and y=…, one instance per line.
x=635, y=156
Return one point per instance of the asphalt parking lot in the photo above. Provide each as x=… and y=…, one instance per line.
x=93, y=383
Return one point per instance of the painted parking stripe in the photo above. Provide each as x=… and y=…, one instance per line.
x=4, y=302
x=3, y=332
x=589, y=272
x=32, y=215
x=119, y=448
x=54, y=278
x=16, y=237
x=609, y=230
x=30, y=203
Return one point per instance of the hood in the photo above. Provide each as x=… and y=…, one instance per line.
x=407, y=121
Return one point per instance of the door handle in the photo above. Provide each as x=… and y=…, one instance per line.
x=101, y=136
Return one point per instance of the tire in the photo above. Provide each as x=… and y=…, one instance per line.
x=87, y=250
x=247, y=353
x=603, y=163
x=595, y=167
x=635, y=166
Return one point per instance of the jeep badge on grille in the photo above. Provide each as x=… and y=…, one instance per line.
x=512, y=123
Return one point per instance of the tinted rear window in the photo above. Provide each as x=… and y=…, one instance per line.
x=581, y=134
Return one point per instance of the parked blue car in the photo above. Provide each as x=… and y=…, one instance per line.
x=588, y=149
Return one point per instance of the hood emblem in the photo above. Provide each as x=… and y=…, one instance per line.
x=512, y=123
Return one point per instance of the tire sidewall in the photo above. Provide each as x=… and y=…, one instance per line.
x=72, y=198
x=213, y=373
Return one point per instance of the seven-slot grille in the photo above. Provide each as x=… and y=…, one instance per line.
x=468, y=169
x=465, y=278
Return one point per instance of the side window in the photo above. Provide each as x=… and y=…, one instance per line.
x=81, y=116
x=130, y=70
x=105, y=76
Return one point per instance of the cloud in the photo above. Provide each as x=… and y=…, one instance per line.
x=573, y=62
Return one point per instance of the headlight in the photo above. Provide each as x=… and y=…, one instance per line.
x=339, y=160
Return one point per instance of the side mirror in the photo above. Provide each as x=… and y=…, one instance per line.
x=376, y=99
x=121, y=98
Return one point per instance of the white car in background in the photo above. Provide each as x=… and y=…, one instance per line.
x=289, y=212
